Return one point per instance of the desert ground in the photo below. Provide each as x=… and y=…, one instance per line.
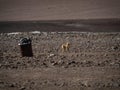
x=92, y=63
x=92, y=27
x=79, y=25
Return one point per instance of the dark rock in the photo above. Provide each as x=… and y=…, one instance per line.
x=12, y=85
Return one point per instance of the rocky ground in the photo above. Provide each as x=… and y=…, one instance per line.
x=92, y=63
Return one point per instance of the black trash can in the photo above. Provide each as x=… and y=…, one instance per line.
x=26, y=47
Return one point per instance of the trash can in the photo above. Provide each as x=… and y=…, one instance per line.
x=26, y=47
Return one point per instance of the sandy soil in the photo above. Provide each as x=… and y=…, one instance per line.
x=93, y=62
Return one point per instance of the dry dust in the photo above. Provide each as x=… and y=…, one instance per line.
x=93, y=62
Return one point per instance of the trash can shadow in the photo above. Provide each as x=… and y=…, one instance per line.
x=26, y=47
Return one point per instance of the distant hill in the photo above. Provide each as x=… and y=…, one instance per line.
x=16, y=10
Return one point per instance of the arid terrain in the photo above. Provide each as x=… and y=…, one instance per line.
x=92, y=27
x=92, y=63
x=80, y=25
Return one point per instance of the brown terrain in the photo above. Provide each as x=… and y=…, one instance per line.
x=81, y=25
x=92, y=63
x=92, y=27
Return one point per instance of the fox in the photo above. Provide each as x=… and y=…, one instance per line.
x=65, y=47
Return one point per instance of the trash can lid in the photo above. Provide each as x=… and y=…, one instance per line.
x=24, y=41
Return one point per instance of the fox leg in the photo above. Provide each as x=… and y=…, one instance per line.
x=63, y=48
